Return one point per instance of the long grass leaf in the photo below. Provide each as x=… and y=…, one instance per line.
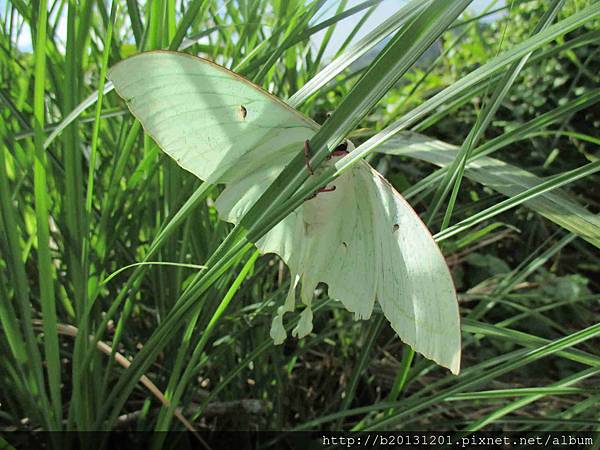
x=506, y=179
x=45, y=267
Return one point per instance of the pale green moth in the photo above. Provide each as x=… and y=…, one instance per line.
x=362, y=238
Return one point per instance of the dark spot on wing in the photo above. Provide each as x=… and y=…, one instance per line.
x=396, y=227
x=344, y=244
x=243, y=112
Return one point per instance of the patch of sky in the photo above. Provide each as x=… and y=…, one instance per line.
x=382, y=11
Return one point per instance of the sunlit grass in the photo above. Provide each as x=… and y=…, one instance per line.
x=85, y=193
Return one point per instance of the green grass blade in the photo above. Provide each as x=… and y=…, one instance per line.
x=413, y=406
x=166, y=414
x=525, y=196
x=454, y=174
x=460, y=87
x=45, y=268
x=560, y=387
x=506, y=179
x=11, y=251
x=335, y=67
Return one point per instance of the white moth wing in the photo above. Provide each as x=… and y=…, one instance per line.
x=211, y=121
x=366, y=243
x=415, y=287
x=225, y=129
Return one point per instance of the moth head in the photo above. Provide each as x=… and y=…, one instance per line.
x=345, y=147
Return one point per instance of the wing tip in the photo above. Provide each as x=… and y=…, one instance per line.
x=452, y=364
x=454, y=367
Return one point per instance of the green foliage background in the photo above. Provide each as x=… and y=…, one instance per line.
x=85, y=193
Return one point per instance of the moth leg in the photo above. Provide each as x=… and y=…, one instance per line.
x=307, y=155
x=331, y=189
